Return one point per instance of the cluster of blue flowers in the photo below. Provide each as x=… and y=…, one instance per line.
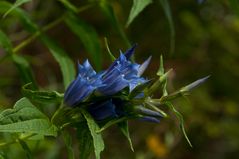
x=105, y=94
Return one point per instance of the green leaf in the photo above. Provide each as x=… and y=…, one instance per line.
x=88, y=37
x=21, y=15
x=66, y=64
x=24, y=70
x=26, y=149
x=138, y=6
x=85, y=140
x=181, y=121
x=234, y=4
x=5, y=42
x=68, y=5
x=110, y=15
x=26, y=118
x=15, y=5
x=41, y=96
x=125, y=130
x=112, y=122
x=97, y=138
x=21, y=63
x=68, y=142
x=167, y=11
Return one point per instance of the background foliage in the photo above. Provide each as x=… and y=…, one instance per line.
x=42, y=40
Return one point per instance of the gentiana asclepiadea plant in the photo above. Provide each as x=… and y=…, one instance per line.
x=95, y=101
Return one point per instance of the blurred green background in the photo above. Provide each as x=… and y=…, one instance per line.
x=206, y=43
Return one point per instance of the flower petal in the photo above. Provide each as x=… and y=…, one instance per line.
x=143, y=67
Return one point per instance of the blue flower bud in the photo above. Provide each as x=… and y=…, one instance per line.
x=85, y=83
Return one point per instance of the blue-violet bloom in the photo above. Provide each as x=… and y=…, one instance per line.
x=85, y=83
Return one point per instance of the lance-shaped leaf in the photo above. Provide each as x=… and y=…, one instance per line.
x=138, y=6
x=26, y=118
x=15, y=5
x=88, y=37
x=97, y=138
x=111, y=17
x=85, y=140
x=125, y=130
x=22, y=64
x=69, y=5
x=66, y=64
x=26, y=148
x=168, y=14
x=41, y=96
x=181, y=121
x=69, y=146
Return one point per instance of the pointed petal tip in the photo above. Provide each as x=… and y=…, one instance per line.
x=195, y=84
x=130, y=51
x=144, y=66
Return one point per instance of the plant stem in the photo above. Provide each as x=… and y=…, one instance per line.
x=46, y=28
x=16, y=140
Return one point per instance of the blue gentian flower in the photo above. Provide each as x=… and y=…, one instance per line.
x=123, y=73
x=116, y=108
x=85, y=83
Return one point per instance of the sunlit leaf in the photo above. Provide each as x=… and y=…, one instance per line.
x=97, y=138
x=138, y=7
x=88, y=37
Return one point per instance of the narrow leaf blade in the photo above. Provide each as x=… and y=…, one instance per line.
x=97, y=138
x=181, y=121
x=66, y=64
x=125, y=130
x=85, y=140
x=88, y=36
x=26, y=148
x=15, y=5
x=68, y=142
x=137, y=8
x=168, y=14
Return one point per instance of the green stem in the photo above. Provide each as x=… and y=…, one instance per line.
x=16, y=140
x=46, y=28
